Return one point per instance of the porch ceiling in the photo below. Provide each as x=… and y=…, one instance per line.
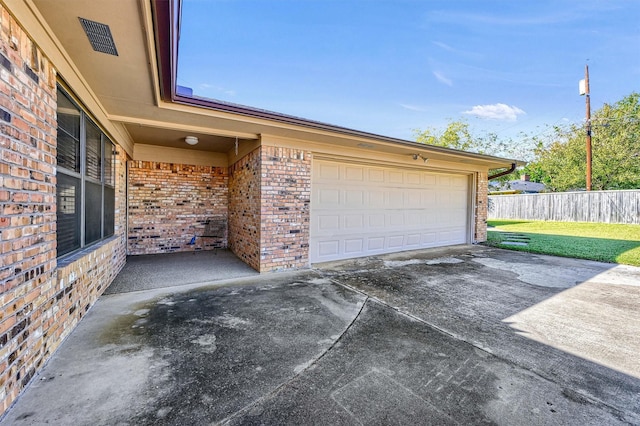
x=120, y=82
x=127, y=85
x=175, y=139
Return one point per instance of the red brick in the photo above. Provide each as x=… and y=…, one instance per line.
x=177, y=199
x=28, y=282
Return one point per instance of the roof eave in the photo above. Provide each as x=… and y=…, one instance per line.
x=167, y=25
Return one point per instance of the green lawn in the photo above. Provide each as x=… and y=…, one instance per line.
x=604, y=242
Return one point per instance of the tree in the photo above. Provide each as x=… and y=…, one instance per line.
x=557, y=156
x=561, y=164
x=457, y=135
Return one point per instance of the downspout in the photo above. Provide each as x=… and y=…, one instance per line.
x=506, y=172
x=497, y=175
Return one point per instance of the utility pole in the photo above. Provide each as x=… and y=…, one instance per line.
x=587, y=122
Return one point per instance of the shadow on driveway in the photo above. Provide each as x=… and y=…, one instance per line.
x=424, y=337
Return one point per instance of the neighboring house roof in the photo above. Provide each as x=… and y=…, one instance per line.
x=519, y=185
x=525, y=186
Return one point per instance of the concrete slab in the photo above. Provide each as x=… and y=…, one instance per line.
x=465, y=335
x=152, y=271
x=392, y=369
x=562, y=319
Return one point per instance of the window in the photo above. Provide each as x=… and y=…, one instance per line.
x=85, y=190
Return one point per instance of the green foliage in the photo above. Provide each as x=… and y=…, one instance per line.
x=615, y=140
x=458, y=135
x=557, y=157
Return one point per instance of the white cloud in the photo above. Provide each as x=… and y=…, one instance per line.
x=558, y=17
x=442, y=78
x=443, y=46
x=459, y=52
x=496, y=112
x=413, y=107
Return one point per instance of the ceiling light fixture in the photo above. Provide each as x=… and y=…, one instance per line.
x=191, y=140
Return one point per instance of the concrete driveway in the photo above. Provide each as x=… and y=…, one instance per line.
x=464, y=335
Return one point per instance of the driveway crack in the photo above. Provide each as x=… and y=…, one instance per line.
x=287, y=383
x=620, y=414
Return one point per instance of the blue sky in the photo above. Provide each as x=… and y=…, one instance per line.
x=389, y=67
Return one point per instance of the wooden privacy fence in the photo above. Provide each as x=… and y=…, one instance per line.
x=594, y=206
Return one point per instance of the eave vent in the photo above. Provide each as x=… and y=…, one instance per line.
x=99, y=36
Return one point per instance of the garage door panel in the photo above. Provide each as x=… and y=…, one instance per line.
x=413, y=219
x=427, y=198
x=443, y=181
x=376, y=220
x=459, y=182
x=353, y=198
x=428, y=179
x=428, y=238
x=353, y=246
x=354, y=173
x=457, y=202
x=396, y=219
x=328, y=248
x=395, y=177
x=443, y=198
x=375, y=244
x=413, y=240
x=328, y=223
x=396, y=242
x=326, y=171
x=395, y=199
x=376, y=199
x=414, y=200
x=359, y=210
x=375, y=175
x=413, y=179
x=354, y=222
x=327, y=197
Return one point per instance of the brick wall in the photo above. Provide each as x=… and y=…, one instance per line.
x=244, y=208
x=27, y=197
x=269, y=197
x=170, y=203
x=286, y=197
x=482, y=193
x=40, y=302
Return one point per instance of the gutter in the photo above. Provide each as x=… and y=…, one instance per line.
x=504, y=173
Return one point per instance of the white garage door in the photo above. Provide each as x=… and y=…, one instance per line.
x=360, y=210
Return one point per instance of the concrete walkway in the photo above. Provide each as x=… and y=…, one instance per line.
x=465, y=335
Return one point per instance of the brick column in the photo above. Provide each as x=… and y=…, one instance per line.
x=244, y=208
x=482, y=193
x=269, y=200
x=285, y=211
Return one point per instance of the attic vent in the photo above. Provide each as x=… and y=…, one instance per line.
x=100, y=36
